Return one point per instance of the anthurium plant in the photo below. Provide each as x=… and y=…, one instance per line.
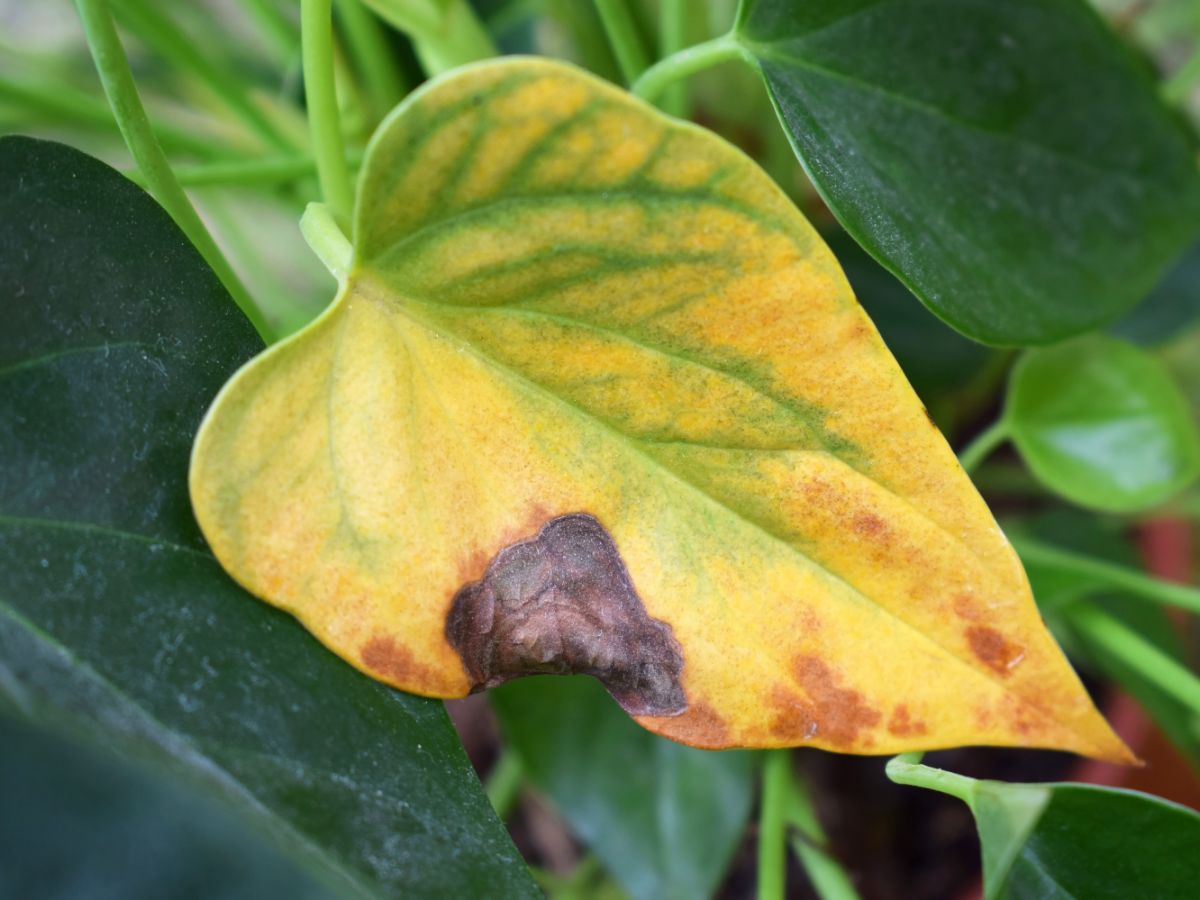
x=782, y=377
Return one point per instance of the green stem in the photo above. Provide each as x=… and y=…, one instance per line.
x=623, y=36
x=906, y=769
x=147, y=153
x=1135, y=651
x=1176, y=89
x=772, y=860
x=370, y=52
x=658, y=77
x=270, y=170
x=808, y=842
x=316, y=39
x=161, y=34
x=328, y=242
x=1136, y=583
x=504, y=783
x=445, y=34
x=60, y=103
x=673, y=15
x=984, y=443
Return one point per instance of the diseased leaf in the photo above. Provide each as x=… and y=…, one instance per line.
x=1102, y=423
x=117, y=622
x=596, y=398
x=664, y=819
x=1009, y=162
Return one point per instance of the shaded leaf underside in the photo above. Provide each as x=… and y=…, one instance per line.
x=563, y=303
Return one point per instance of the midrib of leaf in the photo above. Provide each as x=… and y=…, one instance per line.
x=524, y=382
x=175, y=744
x=54, y=356
x=775, y=54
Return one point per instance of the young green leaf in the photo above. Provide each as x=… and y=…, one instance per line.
x=1064, y=841
x=115, y=618
x=1102, y=423
x=595, y=397
x=1010, y=162
x=664, y=819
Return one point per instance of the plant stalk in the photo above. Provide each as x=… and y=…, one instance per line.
x=772, y=859
x=623, y=36
x=984, y=443
x=651, y=83
x=122, y=94
x=445, y=34
x=316, y=39
x=369, y=49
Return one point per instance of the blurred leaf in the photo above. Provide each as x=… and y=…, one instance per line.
x=1046, y=842
x=1010, y=162
x=594, y=397
x=1171, y=308
x=91, y=827
x=663, y=818
x=113, y=614
x=1102, y=423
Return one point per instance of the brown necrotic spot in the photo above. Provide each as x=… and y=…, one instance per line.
x=563, y=603
x=830, y=712
x=994, y=650
x=394, y=662
x=902, y=723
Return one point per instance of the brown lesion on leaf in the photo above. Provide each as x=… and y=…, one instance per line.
x=902, y=723
x=994, y=650
x=829, y=712
x=560, y=603
x=967, y=609
x=701, y=726
x=395, y=663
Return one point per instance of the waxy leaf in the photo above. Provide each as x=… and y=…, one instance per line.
x=664, y=819
x=1010, y=162
x=1102, y=423
x=1065, y=841
x=594, y=397
x=116, y=620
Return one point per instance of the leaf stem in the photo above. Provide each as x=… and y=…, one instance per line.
x=984, y=443
x=623, y=36
x=1136, y=583
x=327, y=240
x=672, y=18
x=808, y=842
x=1131, y=648
x=160, y=33
x=651, y=83
x=903, y=769
x=316, y=41
x=445, y=34
x=269, y=170
x=368, y=48
x=135, y=127
x=504, y=783
x=772, y=860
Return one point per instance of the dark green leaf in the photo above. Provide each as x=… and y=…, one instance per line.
x=1010, y=162
x=1172, y=307
x=113, y=615
x=94, y=828
x=1043, y=842
x=1102, y=423
x=663, y=818
x=935, y=358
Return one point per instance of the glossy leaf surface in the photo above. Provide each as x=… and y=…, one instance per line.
x=1102, y=423
x=117, y=621
x=1009, y=162
x=1046, y=842
x=596, y=398
x=664, y=819
x=78, y=823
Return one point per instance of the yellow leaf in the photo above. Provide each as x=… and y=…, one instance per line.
x=595, y=397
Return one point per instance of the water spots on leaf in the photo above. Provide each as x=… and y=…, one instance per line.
x=994, y=650
x=561, y=603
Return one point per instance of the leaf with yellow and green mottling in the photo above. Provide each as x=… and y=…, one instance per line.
x=595, y=397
